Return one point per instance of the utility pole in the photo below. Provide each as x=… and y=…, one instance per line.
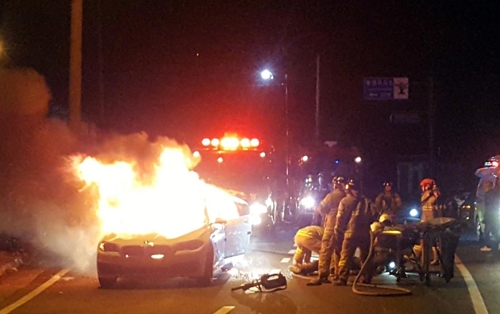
x=75, y=66
x=316, y=133
x=101, y=67
x=432, y=109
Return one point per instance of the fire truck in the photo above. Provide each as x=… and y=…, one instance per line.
x=248, y=168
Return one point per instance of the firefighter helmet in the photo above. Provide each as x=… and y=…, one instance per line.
x=427, y=183
x=338, y=180
x=352, y=185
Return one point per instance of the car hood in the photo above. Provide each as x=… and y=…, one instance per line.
x=202, y=234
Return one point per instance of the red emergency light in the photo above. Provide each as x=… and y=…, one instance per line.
x=231, y=143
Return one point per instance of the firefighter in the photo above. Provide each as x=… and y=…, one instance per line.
x=388, y=202
x=430, y=194
x=307, y=240
x=328, y=209
x=355, y=215
x=491, y=217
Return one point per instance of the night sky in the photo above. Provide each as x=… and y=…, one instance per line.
x=187, y=69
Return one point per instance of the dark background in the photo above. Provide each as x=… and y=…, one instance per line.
x=189, y=69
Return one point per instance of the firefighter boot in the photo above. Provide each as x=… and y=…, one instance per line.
x=318, y=281
x=296, y=269
x=309, y=268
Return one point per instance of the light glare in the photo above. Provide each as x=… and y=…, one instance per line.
x=230, y=143
x=205, y=142
x=266, y=75
x=245, y=143
x=254, y=142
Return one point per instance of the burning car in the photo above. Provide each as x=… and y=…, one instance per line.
x=164, y=220
x=195, y=254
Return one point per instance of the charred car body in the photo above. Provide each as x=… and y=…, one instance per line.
x=195, y=254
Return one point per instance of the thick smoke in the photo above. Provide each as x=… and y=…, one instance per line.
x=41, y=200
x=38, y=203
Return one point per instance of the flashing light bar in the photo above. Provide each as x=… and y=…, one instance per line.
x=231, y=143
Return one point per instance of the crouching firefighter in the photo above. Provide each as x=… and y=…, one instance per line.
x=354, y=218
x=307, y=240
x=328, y=208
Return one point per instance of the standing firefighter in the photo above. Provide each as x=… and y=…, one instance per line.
x=355, y=215
x=307, y=240
x=328, y=208
x=430, y=194
x=388, y=202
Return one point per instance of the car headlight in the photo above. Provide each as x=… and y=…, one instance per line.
x=257, y=209
x=107, y=247
x=413, y=212
x=308, y=202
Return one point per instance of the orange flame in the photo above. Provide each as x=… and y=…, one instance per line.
x=174, y=202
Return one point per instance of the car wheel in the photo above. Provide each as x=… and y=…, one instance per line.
x=107, y=282
x=206, y=279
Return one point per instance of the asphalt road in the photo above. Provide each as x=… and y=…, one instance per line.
x=35, y=289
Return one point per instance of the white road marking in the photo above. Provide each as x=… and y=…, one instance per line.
x=291, y=252
x=224, y=310
x=34, y=293
x=285, y=260
x=475, y=295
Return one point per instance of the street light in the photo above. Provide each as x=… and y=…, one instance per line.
x=268, y=75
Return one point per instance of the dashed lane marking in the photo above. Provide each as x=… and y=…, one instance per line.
x=285, y=260
x=34, y=293
x=475, y=295
x=291, y=252
x=224, y=310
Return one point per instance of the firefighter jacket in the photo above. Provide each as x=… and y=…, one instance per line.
x=355, y=216
x=330, y=204
x=311, y=232
x=388, y=203
x=428, y=200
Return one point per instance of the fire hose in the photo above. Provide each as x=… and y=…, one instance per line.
x=384, y=290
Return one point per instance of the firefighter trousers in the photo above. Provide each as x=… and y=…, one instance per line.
x=349, y=246
x=327, y=244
